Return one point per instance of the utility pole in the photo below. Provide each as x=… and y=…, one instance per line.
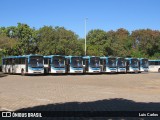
x=85, y=49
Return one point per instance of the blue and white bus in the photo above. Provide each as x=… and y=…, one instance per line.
x=154, y=65
x=91, y=64
x=143, y=65
x=74, y=64
x=109, y=64
x=54, y=64
x=26, y=64
x=121, y=65
x=132, y=65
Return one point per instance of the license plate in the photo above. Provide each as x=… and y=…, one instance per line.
x=96, y=71
x=59, y=71
x=78, y=71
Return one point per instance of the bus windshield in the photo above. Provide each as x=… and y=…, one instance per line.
x=58, y=61
x=121, y=62
x=76, y=62
x=36, y=61
x=94, y=62
x=145, y=63
x=134, y=63
x=112, y=62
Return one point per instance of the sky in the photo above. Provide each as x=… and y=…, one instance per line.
x=71, y=14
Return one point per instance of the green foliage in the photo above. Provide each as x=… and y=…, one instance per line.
x=58, y=40
x=1, y=55
x=147, y=42
x=95, y=42
x=21, y=39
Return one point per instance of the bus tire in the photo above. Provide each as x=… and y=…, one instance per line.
x=159, y=70
x=22, y=72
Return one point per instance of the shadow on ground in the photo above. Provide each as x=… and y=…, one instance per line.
x=100, y=105
x=3, y=75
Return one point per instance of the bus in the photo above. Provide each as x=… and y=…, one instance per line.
x=132, y=65
x=91, y=64
x=121, y=65
x=74, y=64
x=154, y=65
x=26, y=64
x=108, y=64
x=54, y=64
x=143, y=65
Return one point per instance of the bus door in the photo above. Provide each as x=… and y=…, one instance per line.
x=5, y=65
x=103, y=63
x=26, y=64
x=13, y=66
x=127, y=65
x=49, y=65
x=86, y=63
x=67, y=63
x=139, y=65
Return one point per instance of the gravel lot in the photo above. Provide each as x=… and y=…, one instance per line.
x=81, y=92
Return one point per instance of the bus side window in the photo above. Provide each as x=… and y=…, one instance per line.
x=156, y=62
x=4, y=61
x=13, y=61
x=17, y=61
x=10, y=61
x=7, y=61
x=151, y=63
x=49, y=61
x=46, y=61
x=22, y=60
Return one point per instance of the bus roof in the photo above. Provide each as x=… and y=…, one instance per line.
x=87, y=57
x=154, y=60
x=130, y=58
x=49, y=56
x=72, y=56
x=120, y=57
x=107, y=57
x=22, y=56
x=142, y=58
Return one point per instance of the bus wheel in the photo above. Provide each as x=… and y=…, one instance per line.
x=22, y=72
x=159, y=70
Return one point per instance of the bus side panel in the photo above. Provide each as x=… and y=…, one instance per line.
x=154, y=68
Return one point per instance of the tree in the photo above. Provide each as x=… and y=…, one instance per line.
x=58, y=40
x=146, y=41
x=6, y=44
x=21, y=39
x=25, y=39
x=47, y=40
x=122, y=43
x=96, y=40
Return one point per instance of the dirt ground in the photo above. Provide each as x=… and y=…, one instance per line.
x=81, y=92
